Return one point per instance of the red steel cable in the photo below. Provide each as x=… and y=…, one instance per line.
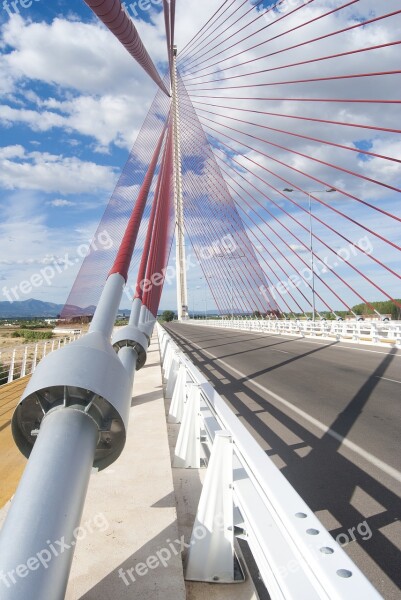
x=204, y=28
x=299, y=45
x=313, y=80
x=250, y=23
x=279, y=35
x=329, y=248
x=325, y=224
x=187, y=79
x=380, y=237
x=297, y=117
x=315, y=255
x=200, y=46
x=124, y=256
x=339, y=100
x=305, y=137
x=318, y=181
x=218, y=36
x=291, y=151
x=119, y=23
x=247, y=273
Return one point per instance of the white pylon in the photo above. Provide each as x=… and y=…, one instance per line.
x=181, y=271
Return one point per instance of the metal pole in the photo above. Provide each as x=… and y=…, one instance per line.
x=63, y=424
x=312, y=257
x=232, y=293
x=182, y=289
x=35, y=562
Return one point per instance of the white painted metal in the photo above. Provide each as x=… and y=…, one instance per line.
x=296, y=556
x=211, y=552
x=360, y=332
x=171, y=375
x=181, y=271
x=20, y=362
x=176, y=411
x=11, y=370
x=187, y=450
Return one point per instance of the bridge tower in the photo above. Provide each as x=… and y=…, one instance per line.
x=181, y=272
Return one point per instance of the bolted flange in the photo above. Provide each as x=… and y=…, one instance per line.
x=88, y=376
x=131, y=337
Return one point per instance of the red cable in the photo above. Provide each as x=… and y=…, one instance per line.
x=296, y=64
x=124, y=255
x=303, y=209
x=279, y=35
x=340, y=100
x=204, y=28
x=119, y=23
x=305, y=137
x=318, y=181
x=314, y=254
x=322, y=162
x=329, y=248
x=237, y=215
x=199, y=49
x=271, y=114
x=314, y=80
x=232, y=25
x=228, y=217
x=327, y=35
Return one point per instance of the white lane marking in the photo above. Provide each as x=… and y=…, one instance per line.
x=373, y=460
x=329, y=344
x=387, y=379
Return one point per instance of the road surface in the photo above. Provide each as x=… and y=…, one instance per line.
x=329, y=416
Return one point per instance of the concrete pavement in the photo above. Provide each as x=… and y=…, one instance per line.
x=329, y=416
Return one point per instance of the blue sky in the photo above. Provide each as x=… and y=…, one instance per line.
x=72, y=101
x=65, y=133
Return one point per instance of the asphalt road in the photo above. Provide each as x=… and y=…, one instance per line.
x=329, y=416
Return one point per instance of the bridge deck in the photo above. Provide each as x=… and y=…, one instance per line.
x=12, y=462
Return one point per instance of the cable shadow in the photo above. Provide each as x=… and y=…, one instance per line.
x=325, y=479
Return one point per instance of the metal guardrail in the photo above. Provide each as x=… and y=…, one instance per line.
x=24, y=359
x=362, y=332
x=246, y=496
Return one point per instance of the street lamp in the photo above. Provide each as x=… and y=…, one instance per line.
x=310, y=192
x=204, y=279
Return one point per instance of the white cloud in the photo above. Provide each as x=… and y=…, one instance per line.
x=52, y=174
x=60, y=203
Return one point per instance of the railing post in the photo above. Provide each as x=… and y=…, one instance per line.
x=11, y=369
x=35, y=358
x=211, y=552
x=176, y=411
x=187, y=449
x=24, y=361
x=171, y=374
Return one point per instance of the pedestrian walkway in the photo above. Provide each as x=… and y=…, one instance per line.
x=12, y=462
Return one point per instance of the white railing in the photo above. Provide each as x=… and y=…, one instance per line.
x=246, y=496
x=359, y=332
x=23, y=359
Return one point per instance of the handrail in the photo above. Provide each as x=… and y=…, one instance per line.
x=360, y=332
x=23, y=359
x=296, y=556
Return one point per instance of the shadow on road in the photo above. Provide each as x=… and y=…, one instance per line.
x=325, y=479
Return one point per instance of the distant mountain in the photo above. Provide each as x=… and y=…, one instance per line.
x=36, y=308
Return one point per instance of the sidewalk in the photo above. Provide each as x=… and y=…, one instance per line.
x=130, y=544
x=130, y=510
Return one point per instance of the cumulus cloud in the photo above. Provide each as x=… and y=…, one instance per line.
x=52, y=173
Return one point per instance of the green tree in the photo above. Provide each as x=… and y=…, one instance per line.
x=168, y=316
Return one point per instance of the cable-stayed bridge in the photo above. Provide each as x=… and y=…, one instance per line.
x=270, y=152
